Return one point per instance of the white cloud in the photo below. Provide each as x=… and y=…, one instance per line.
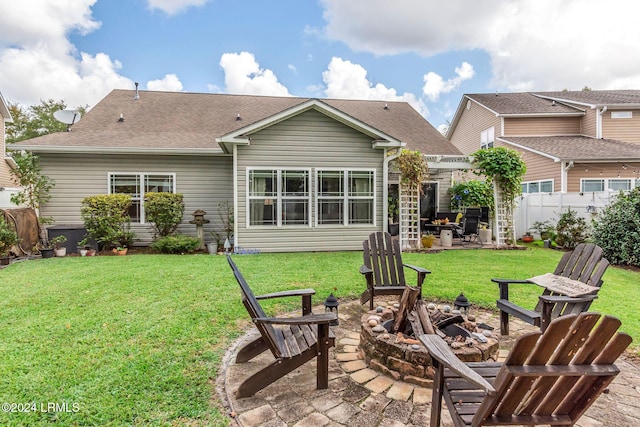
x=37, y=61
x=532, y=44
x=243, y=75
x=171, y=7
x=345, y=79
x=434, y=84
x=169, y=83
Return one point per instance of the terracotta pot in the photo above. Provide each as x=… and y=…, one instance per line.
x=527, y=239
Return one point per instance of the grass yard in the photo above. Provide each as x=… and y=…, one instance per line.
x=137, y=340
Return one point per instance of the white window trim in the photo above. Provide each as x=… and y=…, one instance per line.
x=490, y=143
x=279, y=198
x=345, y=197
x=632, y=182
x=539, y=182
x=621, y=115
x=141, y=176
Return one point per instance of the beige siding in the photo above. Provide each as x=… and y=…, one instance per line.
x=588, y=123
x=622, y=129
x=540, y=167
x=541, y=126
x=310, y=140
x=466, y=135
x=596, y=171
x=5, y=176
x=204, y=182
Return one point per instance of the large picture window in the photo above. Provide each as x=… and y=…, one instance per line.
x=345, y=197
x=602, y=184
x=544, y=186
x=136, y=185
x=279, y=197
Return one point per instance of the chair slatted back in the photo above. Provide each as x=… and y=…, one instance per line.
x=255, y=310
x=382, y=254
x=556, y=374
x=585, y=264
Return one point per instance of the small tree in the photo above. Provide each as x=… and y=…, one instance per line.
x=28, y=175
x=571, y=229
x=617, y=229
x=164, y=212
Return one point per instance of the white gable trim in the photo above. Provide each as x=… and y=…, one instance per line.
x=524, y=147
x=242, y=135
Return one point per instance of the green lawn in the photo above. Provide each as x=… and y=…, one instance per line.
x=137, y=340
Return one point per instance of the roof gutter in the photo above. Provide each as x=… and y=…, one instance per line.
x=121, y=150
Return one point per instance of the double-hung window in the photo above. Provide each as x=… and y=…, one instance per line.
x=345, y=197
x=136, y=185
x=487, y=137
x=279, y=197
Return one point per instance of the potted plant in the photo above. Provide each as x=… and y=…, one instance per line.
x=120, y=250
x=82, y=246
x=57, y=242
x=527, y=238
x=8, y=238
x=427, y=240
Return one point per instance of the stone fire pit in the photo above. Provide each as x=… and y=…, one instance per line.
x=403, y=358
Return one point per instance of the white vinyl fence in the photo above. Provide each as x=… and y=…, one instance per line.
x=549, y=206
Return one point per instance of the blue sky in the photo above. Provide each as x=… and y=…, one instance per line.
x=425, y=52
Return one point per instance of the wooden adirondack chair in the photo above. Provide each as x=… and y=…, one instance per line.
x=549, y=378
x=383, y=268
x=584, y=264
x=292, y=340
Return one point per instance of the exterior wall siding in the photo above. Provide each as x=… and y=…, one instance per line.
x=466, y=136
x=204, y=181
x=310, y=140
x=622, y=129
x=541, y=126
x=588, y=123
x=5, y=175
x=539, y=167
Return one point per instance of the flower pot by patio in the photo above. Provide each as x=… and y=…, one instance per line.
x=527, y=238
x=60, y=252
x=484, y=236
x=46, y=253
x=120, y=251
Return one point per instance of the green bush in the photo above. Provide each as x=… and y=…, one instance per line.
x=178, y=244
x=164, y=212
x=471, y=193
x=107, y=220
x=571, y=230
x=617, y=229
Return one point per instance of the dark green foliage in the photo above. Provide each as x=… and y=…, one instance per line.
x=107, y=220
x=571, y=230
x=164, y=212
x=8, y=237
x=617, y=229
x=471, y=193
x=36, y=120
x=503, y=165
x=178, y=244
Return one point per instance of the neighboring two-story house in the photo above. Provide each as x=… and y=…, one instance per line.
x=7, y=186
x=301, y=174
x=571, y=141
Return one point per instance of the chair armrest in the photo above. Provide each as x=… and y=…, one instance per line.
x=365, y=270
x=299, y=320
x=440, y=350
x=291, y=293
x=503, y=281
x=417, y=269
x=554, y=299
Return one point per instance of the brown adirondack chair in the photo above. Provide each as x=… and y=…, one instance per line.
x=584, y=264
x=383, y=268
x=292, y=340
x=549, y=378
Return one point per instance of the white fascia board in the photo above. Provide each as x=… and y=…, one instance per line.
x=4, y=110
x=524, y=147
x=527, y=115
x=240, y=136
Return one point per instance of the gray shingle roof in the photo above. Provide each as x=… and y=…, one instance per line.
x=579, y=147
x=182, y=121
x=521, y=103
x=596, y=97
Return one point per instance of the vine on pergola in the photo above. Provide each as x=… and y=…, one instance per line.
x=413, y=168
x=506, y=169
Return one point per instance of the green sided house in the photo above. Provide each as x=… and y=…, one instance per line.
x=302, y=174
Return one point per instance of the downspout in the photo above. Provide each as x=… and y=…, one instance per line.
x=385, y=185
x=599, y=121
x=235, y=195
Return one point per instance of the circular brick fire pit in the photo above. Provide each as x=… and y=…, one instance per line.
x=402, y=358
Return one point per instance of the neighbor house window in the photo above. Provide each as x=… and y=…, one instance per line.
x=136, y=185
x=616, y=184
x=543, y=186
x=345, y=197
x=487, y=138
x=279, y=197
x=621, y=114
